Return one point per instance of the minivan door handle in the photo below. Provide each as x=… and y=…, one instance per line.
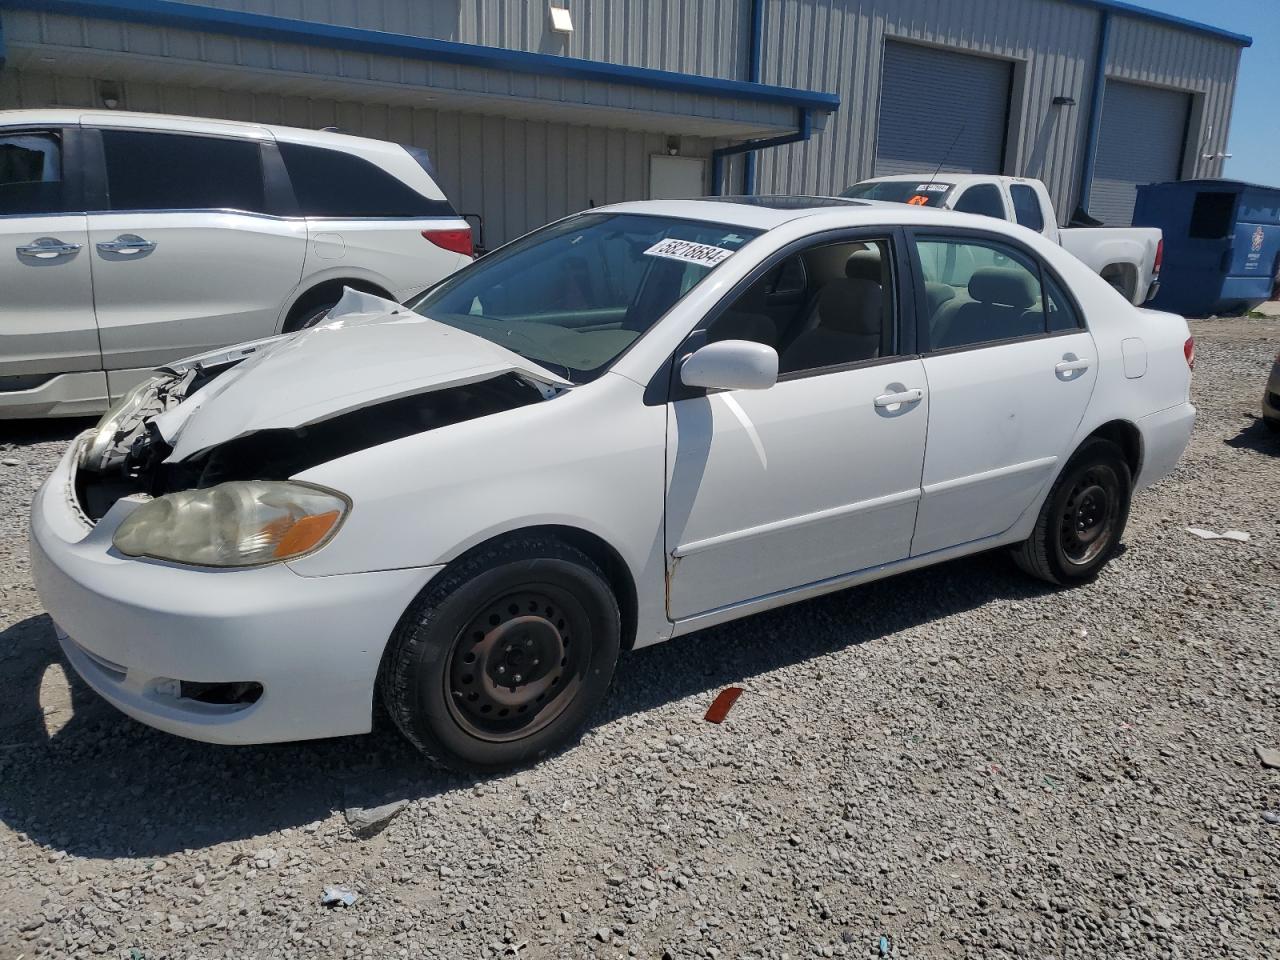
x=47, y=248
x=913, y=395
x=127, y=245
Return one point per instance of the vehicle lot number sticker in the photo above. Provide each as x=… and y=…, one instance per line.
x=933, y=188
x=687, y=251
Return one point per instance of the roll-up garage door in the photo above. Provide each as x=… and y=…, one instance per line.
x=1144, y=132
x=930, y=98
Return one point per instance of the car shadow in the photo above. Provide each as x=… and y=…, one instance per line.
x=43, y=431
x=1257, y=436
x=77, y=776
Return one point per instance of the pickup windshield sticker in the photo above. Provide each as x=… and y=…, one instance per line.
x=918, y=201
x=933, y=187
x=687, y=251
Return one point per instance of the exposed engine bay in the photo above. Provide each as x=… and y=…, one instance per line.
x=130, y=455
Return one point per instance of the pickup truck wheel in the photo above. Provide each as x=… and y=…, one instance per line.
x=1083, y=519
x=503, y=658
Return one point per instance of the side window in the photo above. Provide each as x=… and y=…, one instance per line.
x=984, y=200
x=829, y=305
x=1061, y=315
x=979, y=292
x=330, y=183
x=170, y=171
x=30, y=173
x=1026, y=207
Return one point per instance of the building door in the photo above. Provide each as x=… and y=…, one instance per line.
x=1143, y=137
x=939, y=107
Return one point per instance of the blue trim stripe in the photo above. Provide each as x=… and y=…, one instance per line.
x=1095, y=110
x=1168, y=19
x=185, y=16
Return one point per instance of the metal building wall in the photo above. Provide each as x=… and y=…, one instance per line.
x=706, y=37
x=517, y=174
x=837, y=45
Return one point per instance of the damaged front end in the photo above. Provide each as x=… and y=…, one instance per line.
x=131, y=450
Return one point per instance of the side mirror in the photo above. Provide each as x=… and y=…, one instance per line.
x=731, y=365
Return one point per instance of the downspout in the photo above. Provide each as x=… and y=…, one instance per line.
x=1095, y=109
x=755, y=41
x=717, y=156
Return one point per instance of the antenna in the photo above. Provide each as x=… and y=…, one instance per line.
x=947, y=155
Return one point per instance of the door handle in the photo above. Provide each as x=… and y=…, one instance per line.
x=1070, y=366
x=127, y=244
x=47, y=248
x=913, y=395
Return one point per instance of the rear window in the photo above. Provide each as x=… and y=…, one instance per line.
x=1026, y=207
x=920, y=193
x=169, y=171
x=330, y=183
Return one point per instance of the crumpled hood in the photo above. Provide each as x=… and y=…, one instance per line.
x=368, y=350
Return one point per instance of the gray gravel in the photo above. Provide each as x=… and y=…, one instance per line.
x=960, y=761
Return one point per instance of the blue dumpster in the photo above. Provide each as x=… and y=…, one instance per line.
x=1221, y=244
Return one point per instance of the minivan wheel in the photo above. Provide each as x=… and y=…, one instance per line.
x=502, y=659
x=1083, y=519
x=308, y=317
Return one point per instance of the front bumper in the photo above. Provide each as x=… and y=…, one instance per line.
x=131, y=628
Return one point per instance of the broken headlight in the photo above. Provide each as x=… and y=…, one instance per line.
x=119, y=421
x=243, y=523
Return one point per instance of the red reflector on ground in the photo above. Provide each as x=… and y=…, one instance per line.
x=458, y=241
x=719, y=708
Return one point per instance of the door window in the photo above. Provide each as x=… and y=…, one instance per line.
x=827, y=306
x=30, y=173
x=167, y=171
x=1026, y=206
x=982, y=291
x=984, y=200
x=330, y=183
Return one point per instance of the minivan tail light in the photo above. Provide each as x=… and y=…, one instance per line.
x=1189, y=351
x=455, y=240
x=1159, y=257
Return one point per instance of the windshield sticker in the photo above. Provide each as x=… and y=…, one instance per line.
x=933, y=187
x=687, y=251
x=918, y=201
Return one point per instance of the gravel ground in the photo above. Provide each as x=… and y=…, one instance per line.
x=961, y=761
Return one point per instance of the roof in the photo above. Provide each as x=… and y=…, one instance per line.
x=730, y=211
x=193, y=16
x=1168, y=19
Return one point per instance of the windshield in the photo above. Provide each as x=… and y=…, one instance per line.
x=915, y=192
x=576, y=294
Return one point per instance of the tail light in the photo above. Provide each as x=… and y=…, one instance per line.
x=1189, y=351
x=454, y=240
x=1159, y=257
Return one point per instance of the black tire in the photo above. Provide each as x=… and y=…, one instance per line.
x=1083, y=518
x=533, y=604
x=308, y=317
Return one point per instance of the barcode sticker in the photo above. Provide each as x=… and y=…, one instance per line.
x=687, y=251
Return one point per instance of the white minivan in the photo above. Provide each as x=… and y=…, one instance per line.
x=128, y=240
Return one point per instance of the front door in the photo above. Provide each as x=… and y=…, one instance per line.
x=817, y=476
x=1010, y=368
x=46, y=305
x=185, y=257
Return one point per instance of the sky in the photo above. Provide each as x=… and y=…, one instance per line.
x=1255, y=122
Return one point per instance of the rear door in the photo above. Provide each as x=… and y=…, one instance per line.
x=46, y=306
x=1010, y=369
x=188, y=251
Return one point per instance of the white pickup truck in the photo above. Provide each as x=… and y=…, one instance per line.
x=1126, y=257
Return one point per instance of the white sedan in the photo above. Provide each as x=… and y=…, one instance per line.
x=629, y=425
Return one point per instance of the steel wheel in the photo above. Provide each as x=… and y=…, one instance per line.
x=1089, y=515
x=518, y=663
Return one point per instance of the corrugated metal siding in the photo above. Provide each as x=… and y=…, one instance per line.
x=517, y=174
x=837, y=45
x=915, y=136
x=1143, y=138
x=706, y=37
